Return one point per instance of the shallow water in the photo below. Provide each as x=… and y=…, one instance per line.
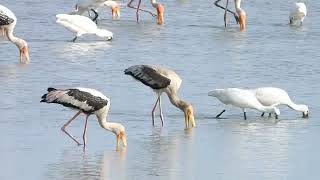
x=193, y=42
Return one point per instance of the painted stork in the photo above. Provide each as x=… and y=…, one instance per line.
x=156, y=5
x=297, y=13
x=93, y=5
x=82, y=25
x=87, y=101
x=7, y=24
x=271, y=96
x=162, y=80
x=240, y=16
x=241, y=98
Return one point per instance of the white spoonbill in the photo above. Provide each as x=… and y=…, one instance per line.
x=93, y=5
x=241, y=98
x=7, y=24
x=240, y=17
x=156, y=5
x=87, y=101
x=82, y=25
x=269, y=96
x=297, y=13
x=163, y=80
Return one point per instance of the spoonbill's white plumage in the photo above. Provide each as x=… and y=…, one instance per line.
x=87, y=101
x=82, y=25
x=241, y=98
x=159, y=7
x=270, y=96
x=163, y=80
x=7, y=24
x=240, y=14
x=297, y=13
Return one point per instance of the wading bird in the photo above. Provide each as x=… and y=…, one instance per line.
x=297, y=13
x=240, y=16
x=84, y=6
x=243, y=99
x=270, y=96
x=82, y=25
x=163, y=80
x=155, y=4
x=7, y=24
x=87, y=101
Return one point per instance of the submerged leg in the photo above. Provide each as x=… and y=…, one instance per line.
x=262, y=114
x=154, y=107
x=269, y=114
x=63, y=128
x=84, y=136
x=217, y=116
x=74, y=39
x=161, y=115
x=244, y=114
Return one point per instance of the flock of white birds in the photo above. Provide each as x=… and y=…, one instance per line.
x=161, y=80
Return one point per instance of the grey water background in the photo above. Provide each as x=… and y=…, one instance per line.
x=195, y=44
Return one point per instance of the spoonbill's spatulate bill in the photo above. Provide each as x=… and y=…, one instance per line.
x=81, y=25
x=87, y=101
x=8, y=22
x=297, y=13
x=241, y=98
x=271, y=96
x=163, y=80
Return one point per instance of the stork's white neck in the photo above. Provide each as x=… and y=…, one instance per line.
x=154, y=3
x=296, y=107
x=237, y=4
x=20, y=43
x=176, y=101
x=102, y=119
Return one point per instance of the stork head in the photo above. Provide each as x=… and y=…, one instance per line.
x=189, y=116
x=24, y=51
x=242, y=19
x=160, y=14
x=115, y=12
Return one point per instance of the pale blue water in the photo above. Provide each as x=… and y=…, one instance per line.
x=193, y=42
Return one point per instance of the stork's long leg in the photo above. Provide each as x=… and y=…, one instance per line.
x=225, y=15
x=161, y=115
x=154, y=107
x=74, y=39
x=262, y=114
x=217, y=116
x=63, y=128
x=137, y=12
x=84, y=136
x=234, y=14
x=131, y=6
x=245, y=115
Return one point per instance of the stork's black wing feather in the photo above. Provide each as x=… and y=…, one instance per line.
x=4, y=19
x=148, y=76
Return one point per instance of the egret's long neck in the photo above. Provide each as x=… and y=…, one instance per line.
x=176, y=101
x=17, y=41
x=154, y=3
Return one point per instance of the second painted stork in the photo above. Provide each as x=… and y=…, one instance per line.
x=86, y=101
x=243, y=99
x=269, y=96
x=240, y=17
x=8, y=22
x=82, y=25
x=159, y=7
x=163, y=80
